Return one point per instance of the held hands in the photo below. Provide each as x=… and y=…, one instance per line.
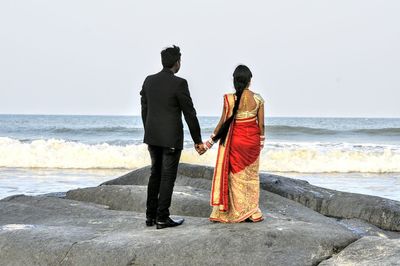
x=200, y=148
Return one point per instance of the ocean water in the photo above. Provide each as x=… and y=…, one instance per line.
x=46, y=153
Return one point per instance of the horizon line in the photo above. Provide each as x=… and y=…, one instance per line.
x=199, y=115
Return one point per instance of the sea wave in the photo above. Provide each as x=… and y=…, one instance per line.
x=95, y=130
x=284, y=129
x=58, y=153
x=276, y=156
x=379, y=131
x=271, y=129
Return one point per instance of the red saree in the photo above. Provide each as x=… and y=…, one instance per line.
x=235, y=187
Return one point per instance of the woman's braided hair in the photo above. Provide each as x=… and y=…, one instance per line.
x=241, y=80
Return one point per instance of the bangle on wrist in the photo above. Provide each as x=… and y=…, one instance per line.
x=209, y=143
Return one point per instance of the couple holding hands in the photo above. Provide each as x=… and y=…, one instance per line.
x=240, y=132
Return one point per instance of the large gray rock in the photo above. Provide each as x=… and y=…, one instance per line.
x=188, y=175
x=368, y=251
x=50, y=231
x=200, y=177
x=382, y=212
x=105, y=226
x=187, y=201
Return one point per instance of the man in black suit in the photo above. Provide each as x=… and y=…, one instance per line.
x=164, y=97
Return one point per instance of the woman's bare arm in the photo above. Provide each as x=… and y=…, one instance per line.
x=260, y=118
x=221, y=121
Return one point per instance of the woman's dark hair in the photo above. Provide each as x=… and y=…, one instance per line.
x=241, y=79
x=170, y=55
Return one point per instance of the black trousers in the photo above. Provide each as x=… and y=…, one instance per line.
x=164, y=167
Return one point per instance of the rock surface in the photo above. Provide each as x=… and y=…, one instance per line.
x=51, y=231
x=132, y=197
x=186, y=201
x=382, y=212
x=369, y=250
x=104, y=225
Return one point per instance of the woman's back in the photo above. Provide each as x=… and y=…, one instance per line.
x=249, y=104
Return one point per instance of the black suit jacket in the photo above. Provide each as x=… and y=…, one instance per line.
x=164, y=97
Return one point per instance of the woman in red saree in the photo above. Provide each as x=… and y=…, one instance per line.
x=235, y=187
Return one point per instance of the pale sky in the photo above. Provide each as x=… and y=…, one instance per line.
x=308, y=58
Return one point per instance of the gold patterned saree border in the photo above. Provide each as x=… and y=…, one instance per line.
x=216, y=199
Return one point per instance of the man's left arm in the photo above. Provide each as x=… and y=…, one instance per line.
x=143, y=102
x=186, y=104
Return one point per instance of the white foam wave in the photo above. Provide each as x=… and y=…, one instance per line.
x=276, y=157
x=54, y=153
x=332, y=158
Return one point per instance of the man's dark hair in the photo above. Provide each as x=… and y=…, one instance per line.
x=170, y=55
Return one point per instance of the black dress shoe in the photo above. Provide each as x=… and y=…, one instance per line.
x=168, y=223
x=150, y=221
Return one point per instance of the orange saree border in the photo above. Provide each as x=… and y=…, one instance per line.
x=254, y=216
x=219, y=191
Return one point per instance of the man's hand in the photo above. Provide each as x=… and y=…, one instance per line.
x=200, y=148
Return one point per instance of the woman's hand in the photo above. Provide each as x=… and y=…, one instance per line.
x=262, y=139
